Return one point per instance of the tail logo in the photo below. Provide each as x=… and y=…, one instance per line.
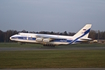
x=83, y=31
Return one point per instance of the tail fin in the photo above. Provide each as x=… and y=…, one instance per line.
x=84, y=32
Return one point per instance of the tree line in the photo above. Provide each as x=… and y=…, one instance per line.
x=5, y=35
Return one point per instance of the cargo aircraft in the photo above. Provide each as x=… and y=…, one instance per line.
x=53, y=40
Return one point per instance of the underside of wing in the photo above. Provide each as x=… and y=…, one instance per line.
x=49, y=38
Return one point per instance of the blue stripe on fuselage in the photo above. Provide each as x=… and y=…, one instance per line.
x=61, y=40
x=31, y=38
x=24, y=38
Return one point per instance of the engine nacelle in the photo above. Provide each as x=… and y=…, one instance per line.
x=39, y=39
x=46, y=40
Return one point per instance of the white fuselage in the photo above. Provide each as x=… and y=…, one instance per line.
x=42, y=38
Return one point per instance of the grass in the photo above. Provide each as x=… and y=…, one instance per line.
x=53, y=59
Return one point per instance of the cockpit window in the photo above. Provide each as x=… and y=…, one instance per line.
x=13, y=37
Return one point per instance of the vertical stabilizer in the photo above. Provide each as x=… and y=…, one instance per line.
x=84, y=32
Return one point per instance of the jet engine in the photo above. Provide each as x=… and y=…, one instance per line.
x=46, y=40
x=39, y=39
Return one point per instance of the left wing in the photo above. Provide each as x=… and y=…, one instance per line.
x=48, y=38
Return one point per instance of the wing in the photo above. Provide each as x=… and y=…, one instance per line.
x=49, y=38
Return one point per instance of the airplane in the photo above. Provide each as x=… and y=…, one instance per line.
x=53, y=40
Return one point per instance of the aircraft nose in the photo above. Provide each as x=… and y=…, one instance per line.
x=10, y=38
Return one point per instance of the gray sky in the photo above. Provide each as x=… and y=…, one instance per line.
x=51, y=15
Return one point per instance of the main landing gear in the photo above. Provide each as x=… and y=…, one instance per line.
x=51, y=45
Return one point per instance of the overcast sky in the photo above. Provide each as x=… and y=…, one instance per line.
x=51, y=15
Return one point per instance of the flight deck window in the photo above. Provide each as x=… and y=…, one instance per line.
x=14, y=38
